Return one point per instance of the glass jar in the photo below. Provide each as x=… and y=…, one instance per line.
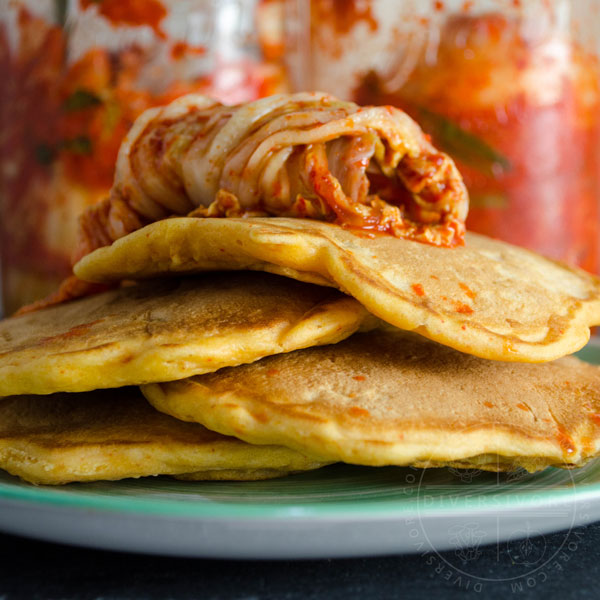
x=75, y=76
x=509, y=88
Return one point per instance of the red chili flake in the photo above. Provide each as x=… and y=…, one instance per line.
x=71, y=333
x=356, y=411
x=438, y=5
x=465, y=309
x=595, y=418
x=564, y=440
x=417, y=288
x=522, y=406
x=359, y=378
x=488, y=404
x=467, y=290
x=180, y=49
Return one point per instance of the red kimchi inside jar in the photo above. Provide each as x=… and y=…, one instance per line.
x=514, y=98
x=75, y=77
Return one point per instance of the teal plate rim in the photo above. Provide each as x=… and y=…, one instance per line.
x=531, y=491
x=341, y=510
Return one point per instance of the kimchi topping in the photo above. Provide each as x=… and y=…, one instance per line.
x=304, y=155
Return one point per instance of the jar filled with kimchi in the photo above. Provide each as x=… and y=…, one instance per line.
x=509, y=88
x=75, y=75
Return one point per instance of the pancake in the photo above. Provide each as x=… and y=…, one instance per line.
x=486, y=298
x=169, y=329
x=110, y=435
x=395, y=398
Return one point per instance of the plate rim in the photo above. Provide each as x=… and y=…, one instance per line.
x=240, y=511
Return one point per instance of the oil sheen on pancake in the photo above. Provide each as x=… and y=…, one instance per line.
x=115, y=434
x=169, y=329
x=394, y=398
x=486, y=298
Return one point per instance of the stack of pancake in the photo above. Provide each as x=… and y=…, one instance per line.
x=258, y=346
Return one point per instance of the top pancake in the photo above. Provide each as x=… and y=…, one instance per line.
x=395, y=398
x=169, y=329
x=488, y=298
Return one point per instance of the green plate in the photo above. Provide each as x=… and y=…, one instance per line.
x=336, y=511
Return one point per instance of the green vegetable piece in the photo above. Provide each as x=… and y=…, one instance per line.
x=81, y=99
x=44, y=154
x=490, y=200
x=462, y=145
x=60, y=11
x=77, y=145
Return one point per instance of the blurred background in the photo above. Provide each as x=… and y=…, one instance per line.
x=509, y=88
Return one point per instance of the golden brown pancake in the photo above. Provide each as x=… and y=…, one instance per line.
x=115, y=434
x=169, y=329
x=488, y=298
x=395, y=398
